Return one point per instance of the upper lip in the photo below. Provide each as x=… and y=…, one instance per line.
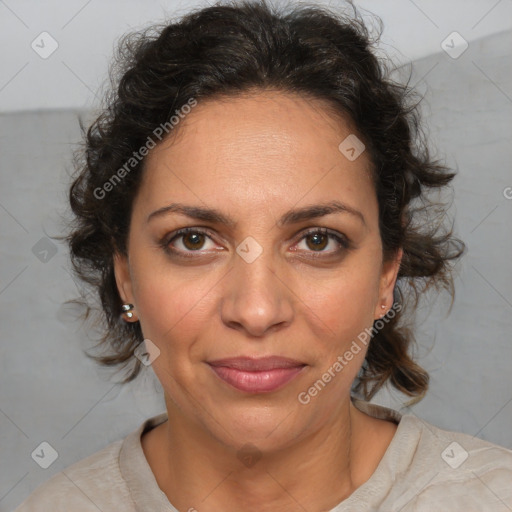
x=255, y=364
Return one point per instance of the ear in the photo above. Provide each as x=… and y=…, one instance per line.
x=123, y=278
x=387, y=284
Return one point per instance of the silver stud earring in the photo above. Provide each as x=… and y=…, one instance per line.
x=127, y=312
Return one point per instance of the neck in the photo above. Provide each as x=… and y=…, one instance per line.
x=322, y=468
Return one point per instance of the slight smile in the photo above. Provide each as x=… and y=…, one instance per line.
x=257, y=375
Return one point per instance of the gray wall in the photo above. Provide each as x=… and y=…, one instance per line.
x=49, y=391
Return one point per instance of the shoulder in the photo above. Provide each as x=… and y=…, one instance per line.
x=455, y=471
x=91, y=484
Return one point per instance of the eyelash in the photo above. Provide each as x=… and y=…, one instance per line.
x=166, y=241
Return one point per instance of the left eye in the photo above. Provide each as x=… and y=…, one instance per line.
x=318, y=240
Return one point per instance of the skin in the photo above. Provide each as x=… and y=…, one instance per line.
x=254, y=158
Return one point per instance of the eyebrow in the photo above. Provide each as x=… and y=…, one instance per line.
x=291, y=217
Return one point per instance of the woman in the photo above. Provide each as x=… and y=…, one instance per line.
x=247, y=209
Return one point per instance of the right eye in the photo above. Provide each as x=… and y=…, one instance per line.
x=186, y=241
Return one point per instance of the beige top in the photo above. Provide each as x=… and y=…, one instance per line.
x=424, y=469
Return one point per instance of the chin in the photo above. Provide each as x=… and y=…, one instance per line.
x=268, y=428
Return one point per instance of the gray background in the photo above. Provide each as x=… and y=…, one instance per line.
x=49, y=391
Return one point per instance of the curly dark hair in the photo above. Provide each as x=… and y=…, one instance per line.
x=229, y=49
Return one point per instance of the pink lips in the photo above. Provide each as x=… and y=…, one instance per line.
x=256, y=375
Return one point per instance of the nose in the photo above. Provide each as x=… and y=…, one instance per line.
x=257, y=299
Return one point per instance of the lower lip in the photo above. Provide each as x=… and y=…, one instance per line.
x=258, y=381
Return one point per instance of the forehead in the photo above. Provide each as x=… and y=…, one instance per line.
x=258, y=147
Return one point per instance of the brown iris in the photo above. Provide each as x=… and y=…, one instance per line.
x=197, y=240
x=316, y=236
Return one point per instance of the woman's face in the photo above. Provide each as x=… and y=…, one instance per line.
x=266, y=284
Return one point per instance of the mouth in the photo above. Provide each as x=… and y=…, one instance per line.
x=257, y=375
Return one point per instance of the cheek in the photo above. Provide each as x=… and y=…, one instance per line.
x=169, y=306
x=171, y=316
x=343, y=305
